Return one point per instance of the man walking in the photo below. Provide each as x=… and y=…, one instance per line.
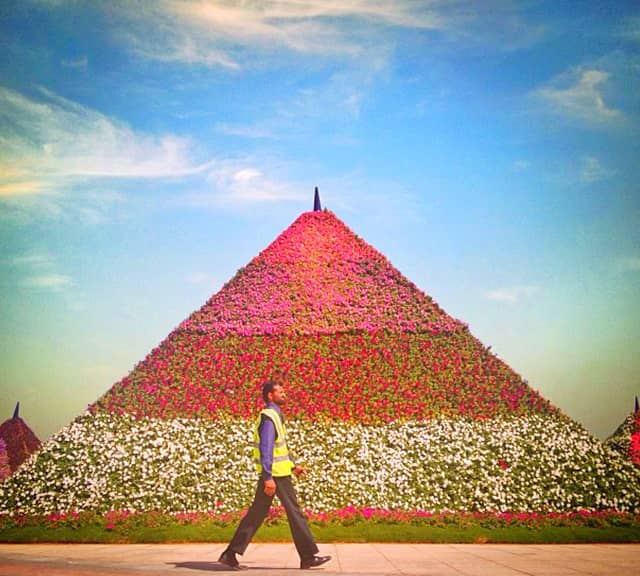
x=274, y=465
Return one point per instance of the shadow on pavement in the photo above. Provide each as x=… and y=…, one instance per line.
x=217, y=567
x=204, y=566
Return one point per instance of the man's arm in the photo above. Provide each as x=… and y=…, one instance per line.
x=267, y=433
x=297, y=469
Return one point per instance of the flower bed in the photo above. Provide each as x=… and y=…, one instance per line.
x=365, y=377
x=532, y=463
x=124, y=520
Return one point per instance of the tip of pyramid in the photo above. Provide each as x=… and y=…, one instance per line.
x=316, y=201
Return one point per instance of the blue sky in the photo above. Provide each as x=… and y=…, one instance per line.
x=148, y=150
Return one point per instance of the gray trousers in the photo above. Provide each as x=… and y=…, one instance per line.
x=302, y=538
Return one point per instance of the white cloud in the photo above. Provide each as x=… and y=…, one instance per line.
x=246, y=174
x=245, y=131
x=54, y=282
x=21, y=187
x=520, y=165
x=631, y=29
x=35, y=259
x=37, y=269
x=14, y=180
x=352, y=103
x=77, y=63
x=591, y=170
x=339, y=99
x=62, y=160
x=513, y=294
x=579, y=94
x=237, y=35
x=53, y=143
x=204, y=280
x=50, y=141
x=197, y=278
x=178, y=46
x=233, y=182
x=629, y=264
x=210, y=32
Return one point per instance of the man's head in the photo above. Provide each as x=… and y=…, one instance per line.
x=273, y=392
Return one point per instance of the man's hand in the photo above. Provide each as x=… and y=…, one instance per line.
x=299, y=471
x=270, y=487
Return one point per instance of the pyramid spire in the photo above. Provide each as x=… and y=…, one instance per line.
x=16, y=412
x=316, y=201
x=637, y=407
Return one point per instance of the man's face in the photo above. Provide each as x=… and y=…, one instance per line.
x=278, y=396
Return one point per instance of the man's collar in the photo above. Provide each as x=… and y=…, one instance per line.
x=275, y=407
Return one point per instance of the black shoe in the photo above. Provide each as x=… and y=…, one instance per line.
x=228, y=558
x=314, y=561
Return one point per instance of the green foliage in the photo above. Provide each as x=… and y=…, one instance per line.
x=385, y=526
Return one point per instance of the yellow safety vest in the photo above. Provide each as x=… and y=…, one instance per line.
x=282, y=464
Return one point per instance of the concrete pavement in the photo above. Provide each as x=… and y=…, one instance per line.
x=361, y=559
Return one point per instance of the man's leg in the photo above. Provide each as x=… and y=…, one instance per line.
x=302, y=538
x=252, y=521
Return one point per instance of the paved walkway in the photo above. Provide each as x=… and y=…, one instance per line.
x=362, y=559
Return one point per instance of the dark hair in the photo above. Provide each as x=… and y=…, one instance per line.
x=267, y=387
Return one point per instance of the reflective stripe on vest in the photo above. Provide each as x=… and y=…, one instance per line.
x=282, y=464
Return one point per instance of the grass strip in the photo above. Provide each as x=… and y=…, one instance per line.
x=356, y=532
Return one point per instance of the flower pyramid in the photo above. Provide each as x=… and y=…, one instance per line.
x=393, y=404
x=626, y=439
x=20, y=441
